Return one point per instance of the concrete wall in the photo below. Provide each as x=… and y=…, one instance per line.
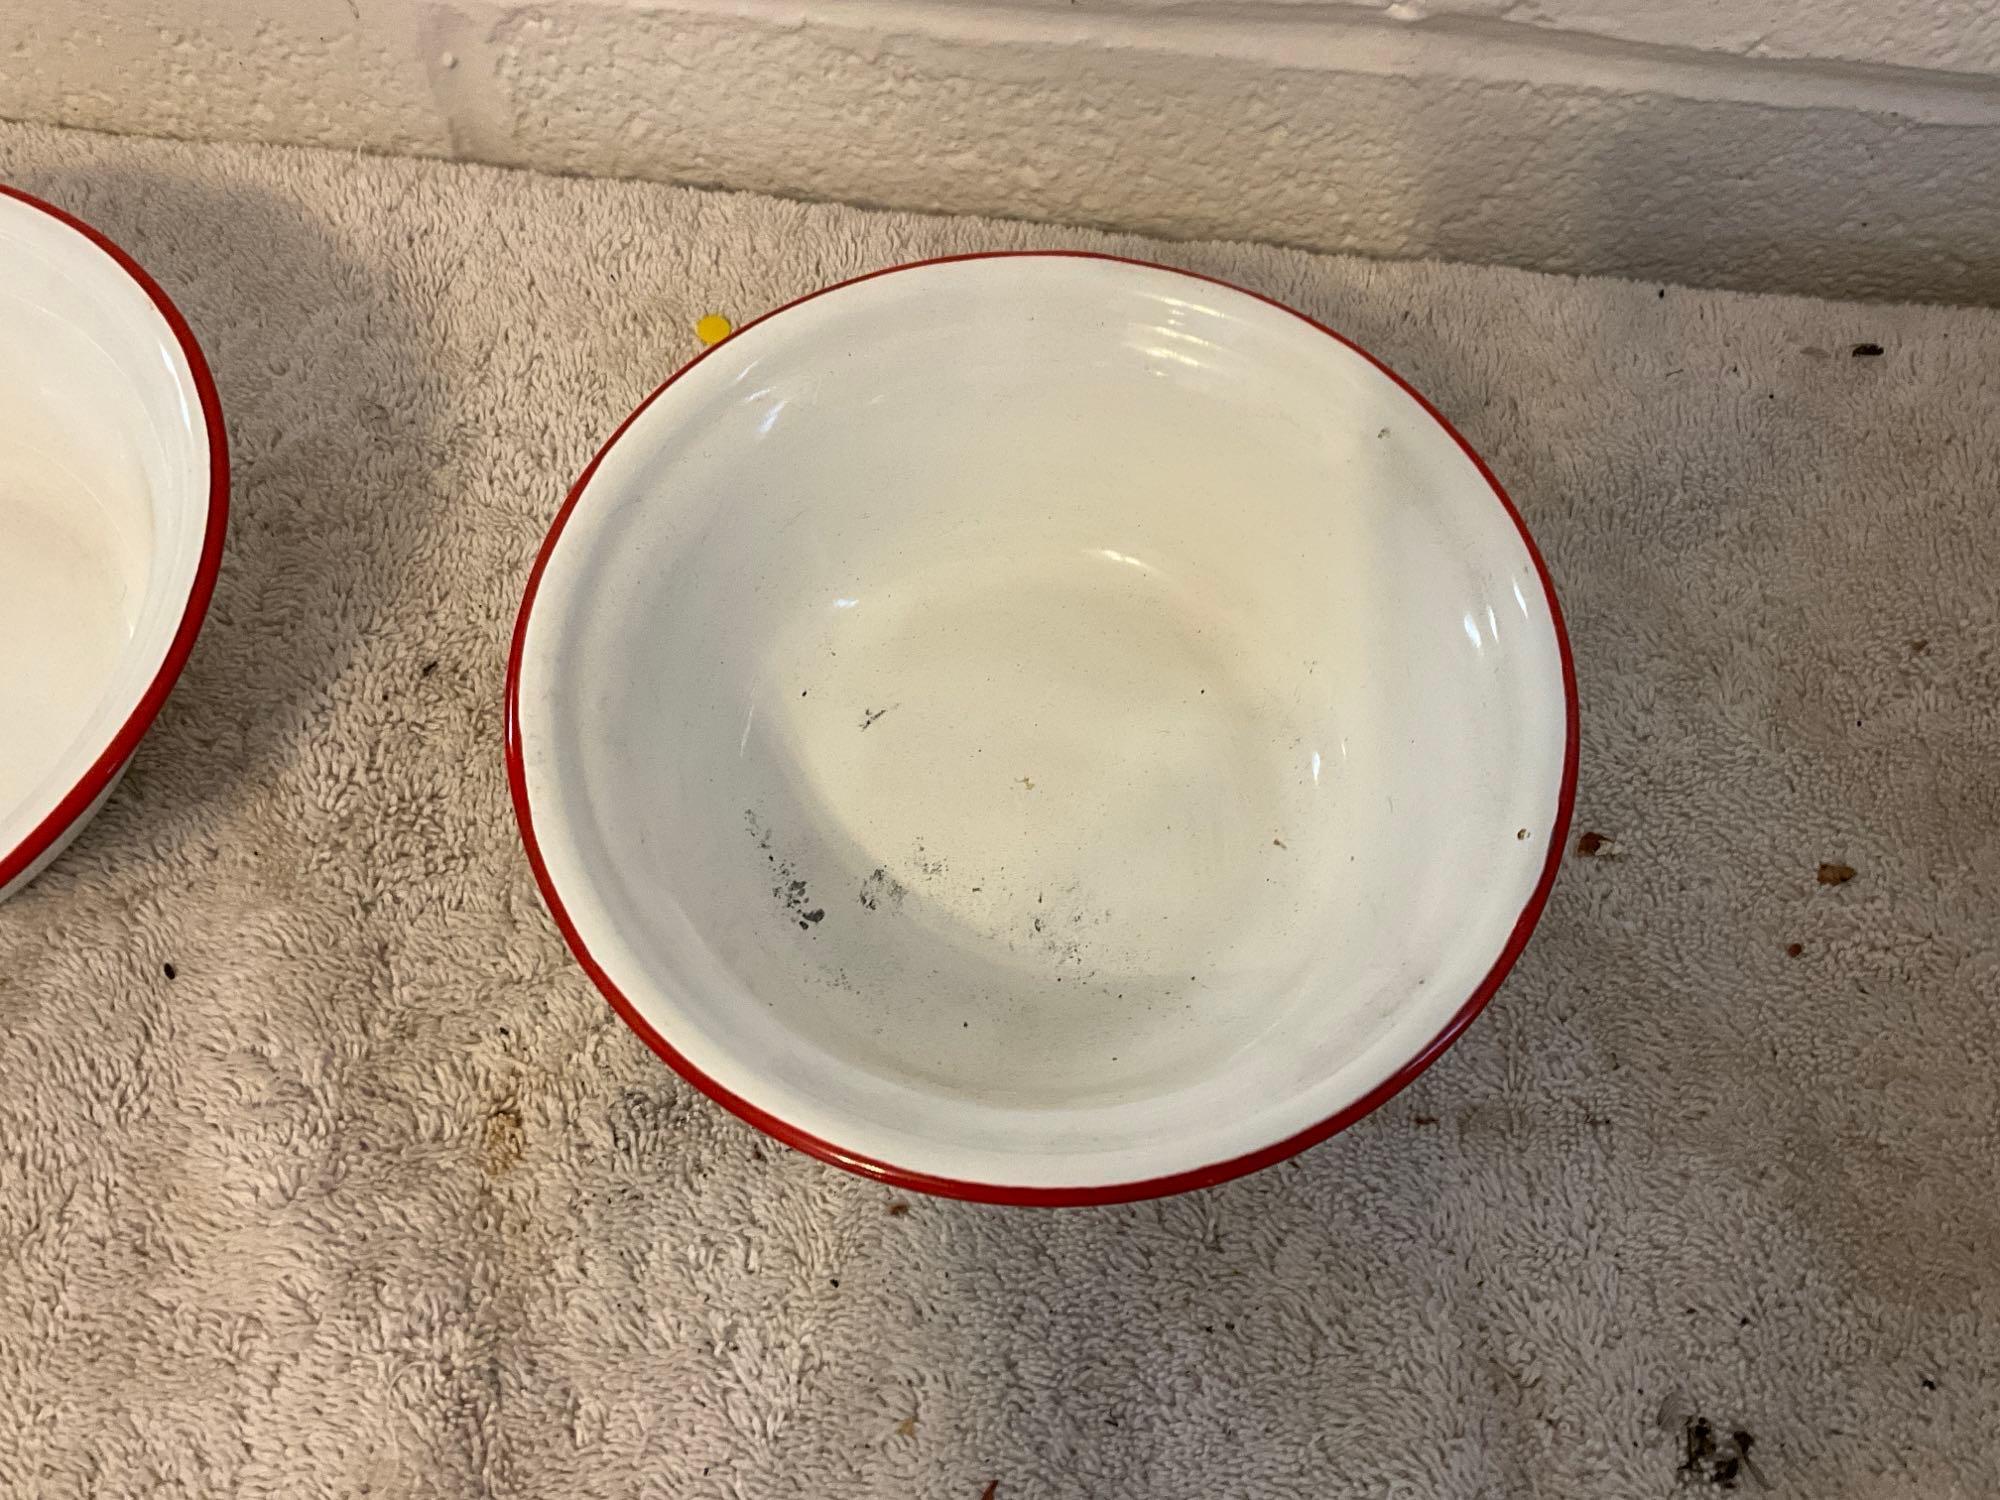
x=1841, y=147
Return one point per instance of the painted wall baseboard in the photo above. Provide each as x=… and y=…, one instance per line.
x=1354, y=127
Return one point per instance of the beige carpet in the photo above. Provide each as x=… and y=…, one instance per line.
x=324, y=1172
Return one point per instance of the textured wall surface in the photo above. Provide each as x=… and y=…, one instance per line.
x=1848, y=150
x=371, y=1194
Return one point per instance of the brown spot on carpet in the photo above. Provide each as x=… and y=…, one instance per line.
x=501, y=1141
x=1835, y=874
x=1712, y=1458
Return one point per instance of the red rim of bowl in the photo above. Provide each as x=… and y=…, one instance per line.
x=100, y=772
x=988, y=1192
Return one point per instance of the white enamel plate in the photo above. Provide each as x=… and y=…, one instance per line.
x=1042, y=728
x=113, y=496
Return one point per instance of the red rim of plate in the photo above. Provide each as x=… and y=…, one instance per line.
x=990, y=1192
x=97, y=776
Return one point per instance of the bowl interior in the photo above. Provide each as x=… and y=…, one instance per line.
x=104, y=505
x=1041, y=721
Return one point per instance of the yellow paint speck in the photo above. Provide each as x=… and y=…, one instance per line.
x=713, y=329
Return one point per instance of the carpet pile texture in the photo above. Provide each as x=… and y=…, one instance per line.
x=325, y=1172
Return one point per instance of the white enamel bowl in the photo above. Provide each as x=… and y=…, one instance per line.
x=113, y=496
x=1042, y=728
